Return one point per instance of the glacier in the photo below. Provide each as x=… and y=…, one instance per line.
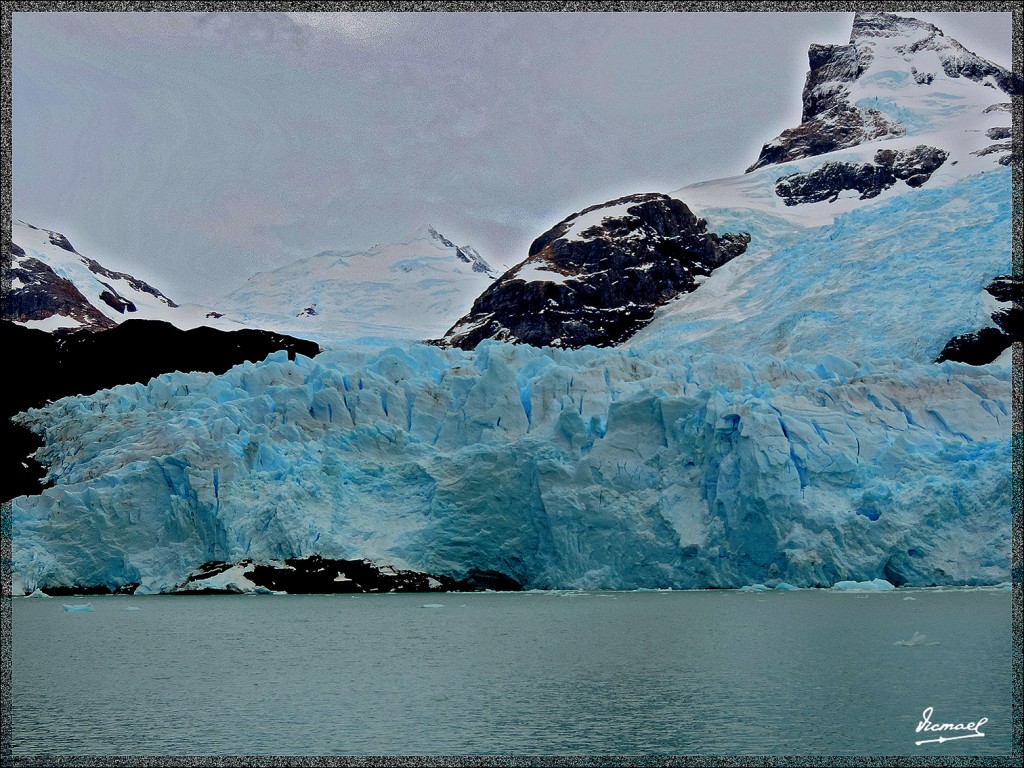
x=895, y=278
x=816, y=446
x=587, y=469
x=782, y=426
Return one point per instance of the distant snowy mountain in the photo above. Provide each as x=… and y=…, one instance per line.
x=54, y=287
x=900, y=110
x=410, y=290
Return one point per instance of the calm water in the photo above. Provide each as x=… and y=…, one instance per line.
x=538, y=673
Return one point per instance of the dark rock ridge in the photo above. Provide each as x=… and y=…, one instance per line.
x=42, y=293
x=43, y=367
x=463, y=253
x=914, y=166
x=829, y=121
x=75, y=590
x=325, y=576
x=598, y=281
x=986, y=344
x=134, y=282
x=1007, y=151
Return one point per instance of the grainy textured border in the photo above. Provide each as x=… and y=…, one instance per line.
x=608, y=6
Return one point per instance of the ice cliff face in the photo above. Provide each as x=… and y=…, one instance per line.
x=51, y=366
x=555, y=468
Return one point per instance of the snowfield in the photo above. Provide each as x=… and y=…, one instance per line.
x=407, y=291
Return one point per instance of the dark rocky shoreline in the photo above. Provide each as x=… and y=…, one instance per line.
x=313, y=575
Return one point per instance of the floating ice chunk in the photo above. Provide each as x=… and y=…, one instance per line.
x=432, y=605
x=78, y=608
x=917, y=639
x=133, y=608
x=784, y=587
x=38, y=593
x=754, y=588
x=875, y=585
x=908, y=597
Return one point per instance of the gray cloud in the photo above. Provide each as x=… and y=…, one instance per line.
x=196, y=149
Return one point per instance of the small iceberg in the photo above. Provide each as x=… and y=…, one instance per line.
x=754, y=588
x=875, y=585
x=917, y=639
x=784, y=587
x=78, y=608
x=38, y=593
x=908, y=597
x=432, y=605
x=133, y=608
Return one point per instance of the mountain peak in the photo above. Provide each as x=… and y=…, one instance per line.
x=884, y=84
x=429, y=233
x=868, y=25
x=463, y=253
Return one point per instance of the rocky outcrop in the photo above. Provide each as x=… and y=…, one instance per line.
x=1005, y=149
x=37, y=292
x=986, y=344
x=49, y=367
x=914, y=166
x=316, y=575
x=134, y=282
x=831, y=120
x=598, y=276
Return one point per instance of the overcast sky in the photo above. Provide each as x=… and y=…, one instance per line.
x=196, y=149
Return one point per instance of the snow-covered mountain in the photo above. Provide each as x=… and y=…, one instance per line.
x=900, y=110
x=819, y=273
x=54, y=287
x=410, y=290
x=897, y=76
x=781, y=419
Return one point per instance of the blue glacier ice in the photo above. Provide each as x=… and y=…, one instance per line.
x=894, y=279
x=788, y=438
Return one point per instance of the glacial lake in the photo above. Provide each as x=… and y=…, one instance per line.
x=558, y=673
